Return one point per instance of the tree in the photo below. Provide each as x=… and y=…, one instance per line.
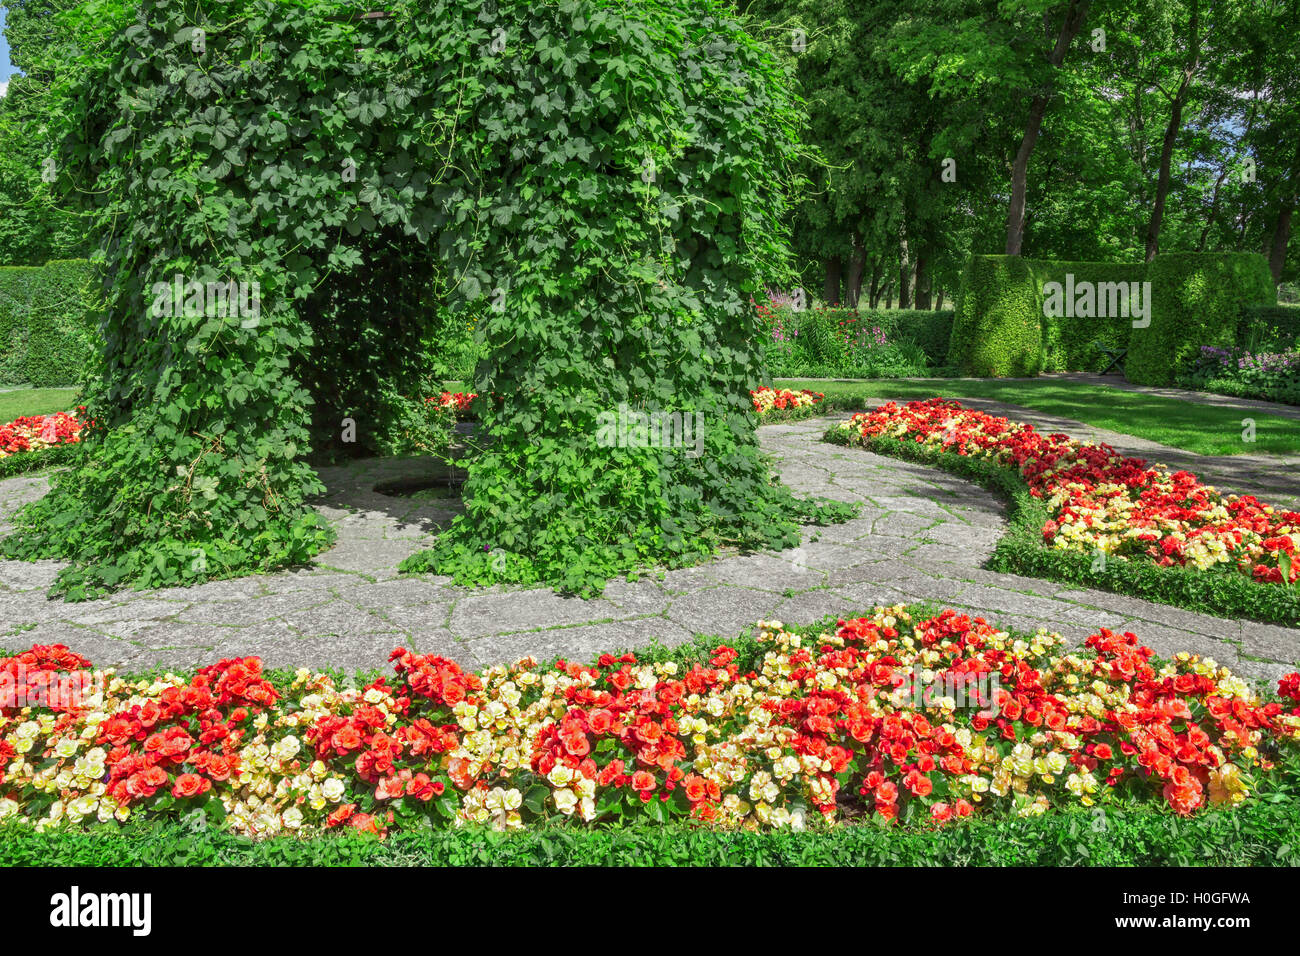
x=35, y=225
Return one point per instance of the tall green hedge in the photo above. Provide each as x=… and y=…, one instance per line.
x=997, y=329
x=1198, y=298
x=1069, y=344
x=47, y=323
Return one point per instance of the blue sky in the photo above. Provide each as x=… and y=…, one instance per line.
x=5, y=68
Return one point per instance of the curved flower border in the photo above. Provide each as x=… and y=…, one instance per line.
x=886, y=716
x=1101, y=501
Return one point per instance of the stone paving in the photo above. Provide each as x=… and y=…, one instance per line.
x=921, y=535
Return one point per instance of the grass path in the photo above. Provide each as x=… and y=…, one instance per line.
x=1191, y=426
x=35, y=401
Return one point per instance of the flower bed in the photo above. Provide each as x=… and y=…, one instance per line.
x=34, y=433
x=768, y=400
x=945, y=435
x=927, y=720
x=1101, y=501
x=456, y=402
x=1272, y=376
x=35, y=441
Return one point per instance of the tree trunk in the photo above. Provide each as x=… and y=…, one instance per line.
x=922, y=282
x=1173, y=129
x=877, y=268
x=904, y=275
x=1213, y=210
x=938, y=306
x=831, y=292
x=889, y=295
x=1281, y=236
x=1074, y=17
x=1218, y=183
x=853, y=290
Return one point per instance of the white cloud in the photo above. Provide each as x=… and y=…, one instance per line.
x=4, y=87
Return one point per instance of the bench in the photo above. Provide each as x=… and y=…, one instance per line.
x=1116, y=357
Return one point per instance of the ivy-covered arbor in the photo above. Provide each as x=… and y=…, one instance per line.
x=602, y=183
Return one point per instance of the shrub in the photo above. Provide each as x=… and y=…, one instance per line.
x=1197, y=299
x=997, y=328
x=1273, y=376
x=47, y=334
x=865, y=343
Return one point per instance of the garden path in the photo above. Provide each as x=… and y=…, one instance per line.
x=922, y=534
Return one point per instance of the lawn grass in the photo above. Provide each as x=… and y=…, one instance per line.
x=35, y=401
x=1190, y=426
x=1264, y=832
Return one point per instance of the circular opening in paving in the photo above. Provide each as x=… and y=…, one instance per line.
x=444, y=484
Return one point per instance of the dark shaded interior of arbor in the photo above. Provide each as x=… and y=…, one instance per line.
x=373, y=328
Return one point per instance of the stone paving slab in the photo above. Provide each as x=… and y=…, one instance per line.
x=922, y=534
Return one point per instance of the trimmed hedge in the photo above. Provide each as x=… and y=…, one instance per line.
x=1000, y=328
x=1265, y=832
x=1197, y=299
x=47, y=323
x=1021, y=550
x=997, y=329
x=1068, y=343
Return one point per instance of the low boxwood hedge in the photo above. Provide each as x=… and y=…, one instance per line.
x=23, y=462
x=1264, y=833
x=1022, y=550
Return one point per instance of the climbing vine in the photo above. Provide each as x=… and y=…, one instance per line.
x=601, y=186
